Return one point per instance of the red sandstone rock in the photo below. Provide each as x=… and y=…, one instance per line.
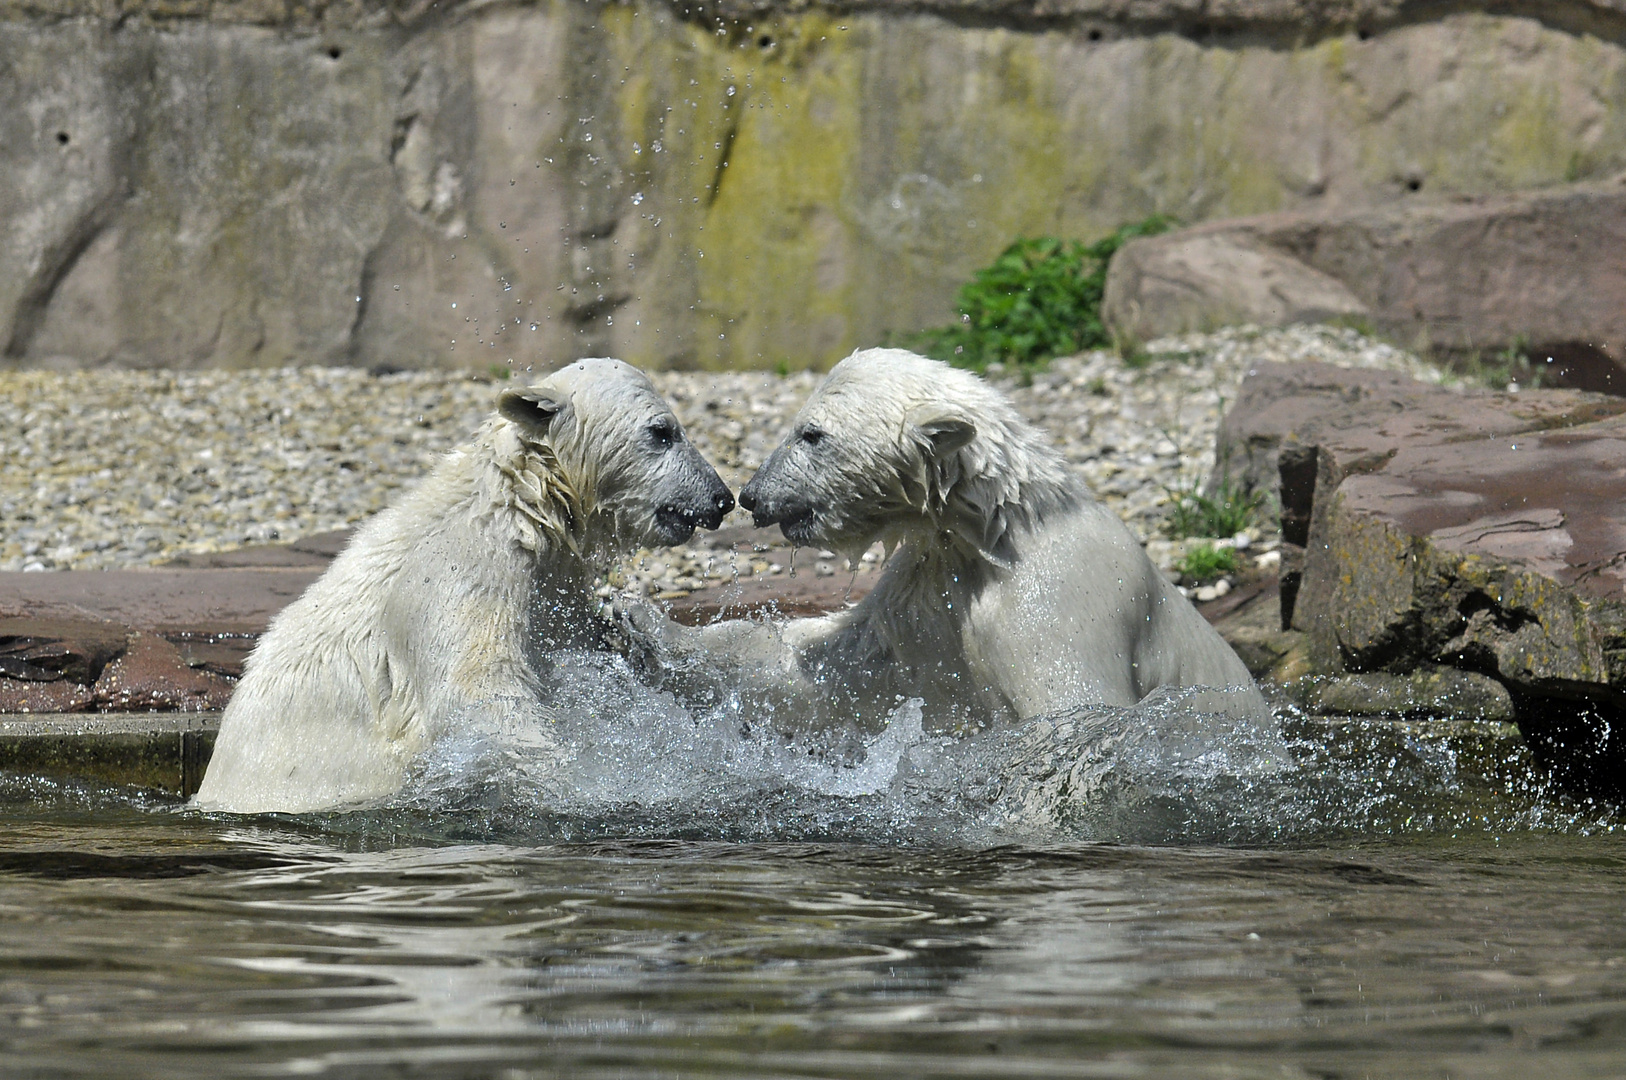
x=20, y=696
x=1470, y=528
x=1546, y=268
x=201, y=601
x=152, y=675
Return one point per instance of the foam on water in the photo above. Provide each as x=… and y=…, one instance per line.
x=611, y=757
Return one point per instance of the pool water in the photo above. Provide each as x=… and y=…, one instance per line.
x=1382, y=900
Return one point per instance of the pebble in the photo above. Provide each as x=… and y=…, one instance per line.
x=111, y=468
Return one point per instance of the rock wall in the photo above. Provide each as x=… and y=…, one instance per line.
x=254, y=182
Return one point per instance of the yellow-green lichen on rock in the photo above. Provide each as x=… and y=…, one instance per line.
x=774, y=190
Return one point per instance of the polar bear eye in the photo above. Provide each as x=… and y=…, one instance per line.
x=664, y=432
x=812, y=436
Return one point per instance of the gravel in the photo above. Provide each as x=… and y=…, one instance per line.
x=109, y=468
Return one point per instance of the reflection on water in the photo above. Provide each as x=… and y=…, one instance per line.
x=1127, y=893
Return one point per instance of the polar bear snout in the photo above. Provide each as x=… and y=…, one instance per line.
x=695, y=498
x=709, y=515
x=794, y=516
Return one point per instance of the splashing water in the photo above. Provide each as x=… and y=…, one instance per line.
x=610, y=757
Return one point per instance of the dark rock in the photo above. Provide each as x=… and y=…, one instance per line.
x=1508, y=554
x=45, y=650
x=153, y=675
x=1298, y=430
x=1431, y=691
x=162, y=752
x=1542, y=270
x=221, y=655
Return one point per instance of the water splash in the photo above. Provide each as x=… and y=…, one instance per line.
x=610, y=757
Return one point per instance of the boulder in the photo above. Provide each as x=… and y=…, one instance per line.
x=1209, y=278
x=1470, y=530
x=1543, y=272
x=1297, y=431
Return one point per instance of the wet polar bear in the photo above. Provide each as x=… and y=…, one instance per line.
x=1011, y=593
x=452, y=599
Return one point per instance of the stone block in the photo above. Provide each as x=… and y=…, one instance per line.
x=1543, y=270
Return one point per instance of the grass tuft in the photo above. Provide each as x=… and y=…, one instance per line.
x=1227, y=512
x=1205, y=563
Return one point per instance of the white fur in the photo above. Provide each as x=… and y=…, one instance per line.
x=1011, y=593
x=450, y=601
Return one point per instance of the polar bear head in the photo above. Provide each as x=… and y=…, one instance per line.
x=614, y=444
x=892, y=445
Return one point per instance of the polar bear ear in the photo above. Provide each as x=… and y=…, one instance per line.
x=944, y=432
x=528, y=408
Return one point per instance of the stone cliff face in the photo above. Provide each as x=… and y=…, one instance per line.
x=260, y=183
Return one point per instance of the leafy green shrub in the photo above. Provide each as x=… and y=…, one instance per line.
x=1040, y=299
x=1227, y=512
x=1205, y=563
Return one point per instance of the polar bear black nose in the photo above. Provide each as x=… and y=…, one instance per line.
x=724, y=502
x=748, y=498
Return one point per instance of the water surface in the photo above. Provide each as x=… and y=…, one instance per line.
x=1384, y=902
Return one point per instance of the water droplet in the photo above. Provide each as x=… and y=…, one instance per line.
x=454, y=304
x=587, y=137
x=637, y=197
x=730, y=91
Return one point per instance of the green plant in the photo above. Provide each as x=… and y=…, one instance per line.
x=1204, y=563
x=1498, y=369
x=1040, y=299
x=500, y=371
x=1227, y=512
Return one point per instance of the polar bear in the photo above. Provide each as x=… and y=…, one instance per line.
x=1009, y=592
x=452, y=599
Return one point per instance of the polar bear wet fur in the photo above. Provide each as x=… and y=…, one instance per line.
x=1011, y=592
x=452, y=599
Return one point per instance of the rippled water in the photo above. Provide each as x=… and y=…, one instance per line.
x=1130, y=893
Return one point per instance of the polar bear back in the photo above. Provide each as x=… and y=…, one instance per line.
x=1054, y=637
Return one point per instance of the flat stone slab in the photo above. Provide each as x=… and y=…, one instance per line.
x=238, y=601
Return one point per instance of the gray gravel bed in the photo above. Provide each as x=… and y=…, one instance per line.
x=110, y=468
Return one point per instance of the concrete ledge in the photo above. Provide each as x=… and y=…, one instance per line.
x=162, y=751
